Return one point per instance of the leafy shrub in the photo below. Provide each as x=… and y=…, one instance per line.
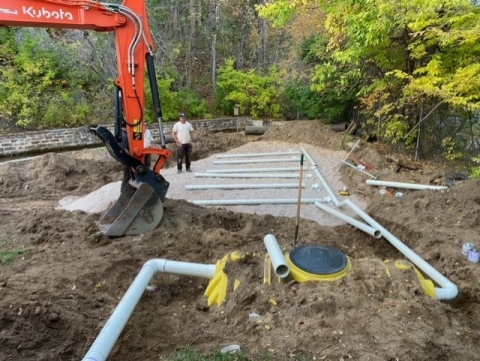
x=258, y=95
x=476, y=170
x=450, y=147
x=42, y=84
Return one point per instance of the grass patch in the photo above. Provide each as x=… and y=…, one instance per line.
x=189, y=354
x=7, y=256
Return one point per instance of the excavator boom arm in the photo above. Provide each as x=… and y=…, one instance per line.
x=132, y=40
x=134, y=46
x=86, y=15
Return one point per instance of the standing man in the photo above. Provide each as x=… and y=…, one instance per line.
x=183, y=135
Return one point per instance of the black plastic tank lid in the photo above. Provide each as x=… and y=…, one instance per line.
x=319, y=260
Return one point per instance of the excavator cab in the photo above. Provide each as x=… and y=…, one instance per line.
x=139, y=208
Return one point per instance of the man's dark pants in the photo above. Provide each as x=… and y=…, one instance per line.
x=184, y=150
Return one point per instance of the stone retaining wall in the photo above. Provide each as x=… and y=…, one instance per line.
x=76, y=138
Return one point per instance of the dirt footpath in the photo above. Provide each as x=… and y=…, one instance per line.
x=56, y=296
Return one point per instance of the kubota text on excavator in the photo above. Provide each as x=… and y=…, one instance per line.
x=139, y=209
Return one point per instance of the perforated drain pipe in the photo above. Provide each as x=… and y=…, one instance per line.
x=247, y=175
x=239, y=202
x=253, y=170
x=257, y=154
x=279, y=263
x=243, y=161
x=109, y=334
x=243, y=186
x=447, y=290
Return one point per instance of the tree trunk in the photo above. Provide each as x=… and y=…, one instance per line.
x=175, y=24
x=192, y=41
x=262, y=42
x=214, y=45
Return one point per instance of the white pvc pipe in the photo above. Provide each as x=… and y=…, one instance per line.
x=447, y=291
x=257, y=154
x=109, y=334
x=253, y=170
x=240, y=161
x=236, y=202
x=362, y=226
x=250, y=175
x=320, y=177
x=359, y=170
x=243, y=186
x=279, y=263
x=404, y=185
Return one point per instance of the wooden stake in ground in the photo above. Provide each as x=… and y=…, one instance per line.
x=299, y=202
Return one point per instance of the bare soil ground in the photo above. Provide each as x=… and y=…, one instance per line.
x=57, y=295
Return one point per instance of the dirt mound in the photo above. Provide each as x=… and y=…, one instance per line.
x=57, y=294
x=314, y=133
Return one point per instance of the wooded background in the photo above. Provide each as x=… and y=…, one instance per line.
x=406, y=71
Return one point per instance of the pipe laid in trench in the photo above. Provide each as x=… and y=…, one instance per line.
x=279, y=263
x=243, y=186
x=447, y=289
x=103, y=344
x=109, y=334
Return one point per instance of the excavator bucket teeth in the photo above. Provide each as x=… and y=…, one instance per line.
x=137, y=210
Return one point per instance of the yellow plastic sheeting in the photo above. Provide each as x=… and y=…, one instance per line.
x=267, y=270
x=301, y=276
x=216, y=291
x=427, y=285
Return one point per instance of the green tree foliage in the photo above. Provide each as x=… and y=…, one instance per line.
x=314, y=97
x=258, y=95
x=300, y=102
x=174, y=102
x=50, y=80
x=405, y=61
x=42, y=85
x=190, y=102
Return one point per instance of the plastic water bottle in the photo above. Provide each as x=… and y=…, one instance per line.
x=399, y=194
x=383, y=192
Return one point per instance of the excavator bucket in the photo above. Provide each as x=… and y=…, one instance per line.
x=137, y=210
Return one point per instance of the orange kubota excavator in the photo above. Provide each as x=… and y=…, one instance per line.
x=140, y=208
